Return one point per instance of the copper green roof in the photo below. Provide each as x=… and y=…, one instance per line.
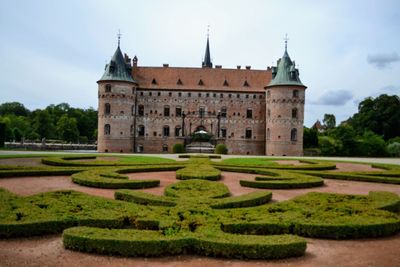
x=207, y=57
x=117, y=69
x=285, y=73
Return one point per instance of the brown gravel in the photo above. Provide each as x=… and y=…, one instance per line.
x=289, y=162
x=351, y=167
x=48, y=250
x=22, y=162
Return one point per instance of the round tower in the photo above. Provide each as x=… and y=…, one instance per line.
x=285, y=96
x=116, y=110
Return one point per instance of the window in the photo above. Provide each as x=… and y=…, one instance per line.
x=179, y=94
x=221, y=95
x=166, y=111
x=246, y=84
x=295, y=93
x=166, y=131
x=154, y=81
x=165, y=148
x=150, y=93
x=178, y=131
x=269, y=113
x=189, y=94
x=237, y=95
x=141, y=130
x=247, y=96
x=107, y=129
x=107, y=108
x=199, y=94
x=201, y=111
x=141, y=93
x=223, y=132
x=141, y=110
x=294, y=113
x=200, y=82
x=249, y=113
x=223, y=112
x=178, y=112
x=131, y=129
x=293, y=134
x=254, y=96
x=226, y=83
x=170, y=94
x=207, y=94
x=268, y=94
x=179, y=82
x=214, y=95
x=248, y=133
x=158, y=93
x=108, y=88
x=133, y=110
x=268, y=134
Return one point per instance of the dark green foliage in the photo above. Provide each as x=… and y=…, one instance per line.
x=13, y=108
x=221, y=149
x=178, y=148
x=144, y=198
x=247, y=200
x=123, y=161
x=191, y=188
x=67, y=129
x=394, y=149
x=371, y=145
x=329, y=121
x=198, y=168
x=310, y=137
x=2, y=134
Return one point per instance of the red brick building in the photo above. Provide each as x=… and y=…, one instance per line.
x=149, y=109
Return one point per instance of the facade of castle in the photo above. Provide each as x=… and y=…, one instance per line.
x=149, y=109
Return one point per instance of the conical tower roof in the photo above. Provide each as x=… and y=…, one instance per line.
x=207, y=57
x=117, y=69
x=285, y=73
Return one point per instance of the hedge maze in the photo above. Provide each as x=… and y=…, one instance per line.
x=197, y=214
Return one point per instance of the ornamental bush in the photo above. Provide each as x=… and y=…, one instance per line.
x=221, y=149
x=178, y=148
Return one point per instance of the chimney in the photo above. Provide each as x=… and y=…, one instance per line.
x=238, y=67
x=165, y=65
x=134, y=61
x=218, y=66
x=248, y=67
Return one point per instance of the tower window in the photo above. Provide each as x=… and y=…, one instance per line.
x=179, y=94
x=189, y=94
x=248, y=133
x=141, y=110
x=237, y=95
x=107, y=129
x=201, y=111
x=108, y=88
x=166, y=131
x=293, y=134
x=294, y=113
x=295, y=93
x=150, y=93
x=221, y=95
x=247, y=96
x=199, y=94
x=159, y=94
x=249, y=113
x=166, y=111
x=107, y=108
x=141, y=130
x=133, y=110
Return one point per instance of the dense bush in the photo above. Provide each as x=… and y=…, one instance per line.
x=221, y=149
x=247, y=200
x=193, y=188
x=144, y=198
x=178, y=148
x=394, y=149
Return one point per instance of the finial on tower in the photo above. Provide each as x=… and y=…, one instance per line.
x=286, y=39
x=208, y=30
x=119, y=36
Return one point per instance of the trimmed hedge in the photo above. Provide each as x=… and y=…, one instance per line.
x=198, y=171
x=247, y=200
x=124, y=161
x=152, y=243
x=95, y=178
x=144, y=198
x=197, y=188
x=386, y=178
x=178, y=148
x=20, y=171
x=221, y=149
x=199, y=156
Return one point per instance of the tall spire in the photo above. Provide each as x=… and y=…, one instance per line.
x=207, y=57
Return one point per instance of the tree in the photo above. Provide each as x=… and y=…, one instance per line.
x=347, y=136
x=67, y=129
x=14, y=108
x=394, y=149
x=329, y=146
x=329, y=121
x=380, y=115
x=2, y=133
x=371, y=145
x=43, y=124
x=310, y=137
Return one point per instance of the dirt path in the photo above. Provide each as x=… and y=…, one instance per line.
x=48, y=250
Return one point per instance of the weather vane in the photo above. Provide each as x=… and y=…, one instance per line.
x=208, y=30
x=119, y=36
x=286, y=39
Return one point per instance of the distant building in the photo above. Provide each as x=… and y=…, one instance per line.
x=149, y=109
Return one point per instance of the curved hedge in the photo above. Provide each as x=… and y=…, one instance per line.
x=247, y=200
x=123, y=161
x=144, y=198
x=153, y=243
x=96, y=178
x=198, y=171
x=197, y=188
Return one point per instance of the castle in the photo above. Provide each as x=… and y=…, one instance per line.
x=149, y=109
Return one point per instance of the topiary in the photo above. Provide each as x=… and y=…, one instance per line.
x=178, y=148
x=221, y=149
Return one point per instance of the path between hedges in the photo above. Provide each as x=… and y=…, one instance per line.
x=48, y=251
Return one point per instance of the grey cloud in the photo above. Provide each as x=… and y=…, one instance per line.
x=334, y=98
x=382, y=61
x=390, y=89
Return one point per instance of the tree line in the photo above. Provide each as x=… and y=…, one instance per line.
x=56, y=122
x=374, y=131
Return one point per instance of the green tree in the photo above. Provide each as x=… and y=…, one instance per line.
x=310, y=137
x=14, y=108
x=329, y=146
x=67, y=129
x=43, y=124
x=347, y=136
x=2, y=133
x=394, y=149
x=329, y=121
x=371, y=145
x=380, y=115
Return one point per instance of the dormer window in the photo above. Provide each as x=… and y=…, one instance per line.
x=111, y=69
x=179, y=82
x=200, y=82
x=154, y=81
x=226, y=83
x=246, y=84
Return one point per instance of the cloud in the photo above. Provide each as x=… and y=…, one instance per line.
x=382, y=61
x=390, y=89
x=334, y=98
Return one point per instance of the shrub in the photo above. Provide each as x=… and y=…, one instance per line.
x=221, y=149
x=394, y=149
x=193, y=188
x=247, y=200
x=178, y=148
x=144, y=198
x=2, y=133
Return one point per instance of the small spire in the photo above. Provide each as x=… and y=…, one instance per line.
x=286, y=39
x=207, y=63
x=119, y=37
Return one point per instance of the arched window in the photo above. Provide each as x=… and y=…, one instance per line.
x=165, y=148
x=268, y=134
x=178, y=131
x=293, y=134
x=107, y=129
x=223, y=132
x=294, y=113
x=141, y=110
x=107, y=108
x=141, y=130
x=166, y=131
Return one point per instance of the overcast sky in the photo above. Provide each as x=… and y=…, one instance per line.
x=55, y=51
